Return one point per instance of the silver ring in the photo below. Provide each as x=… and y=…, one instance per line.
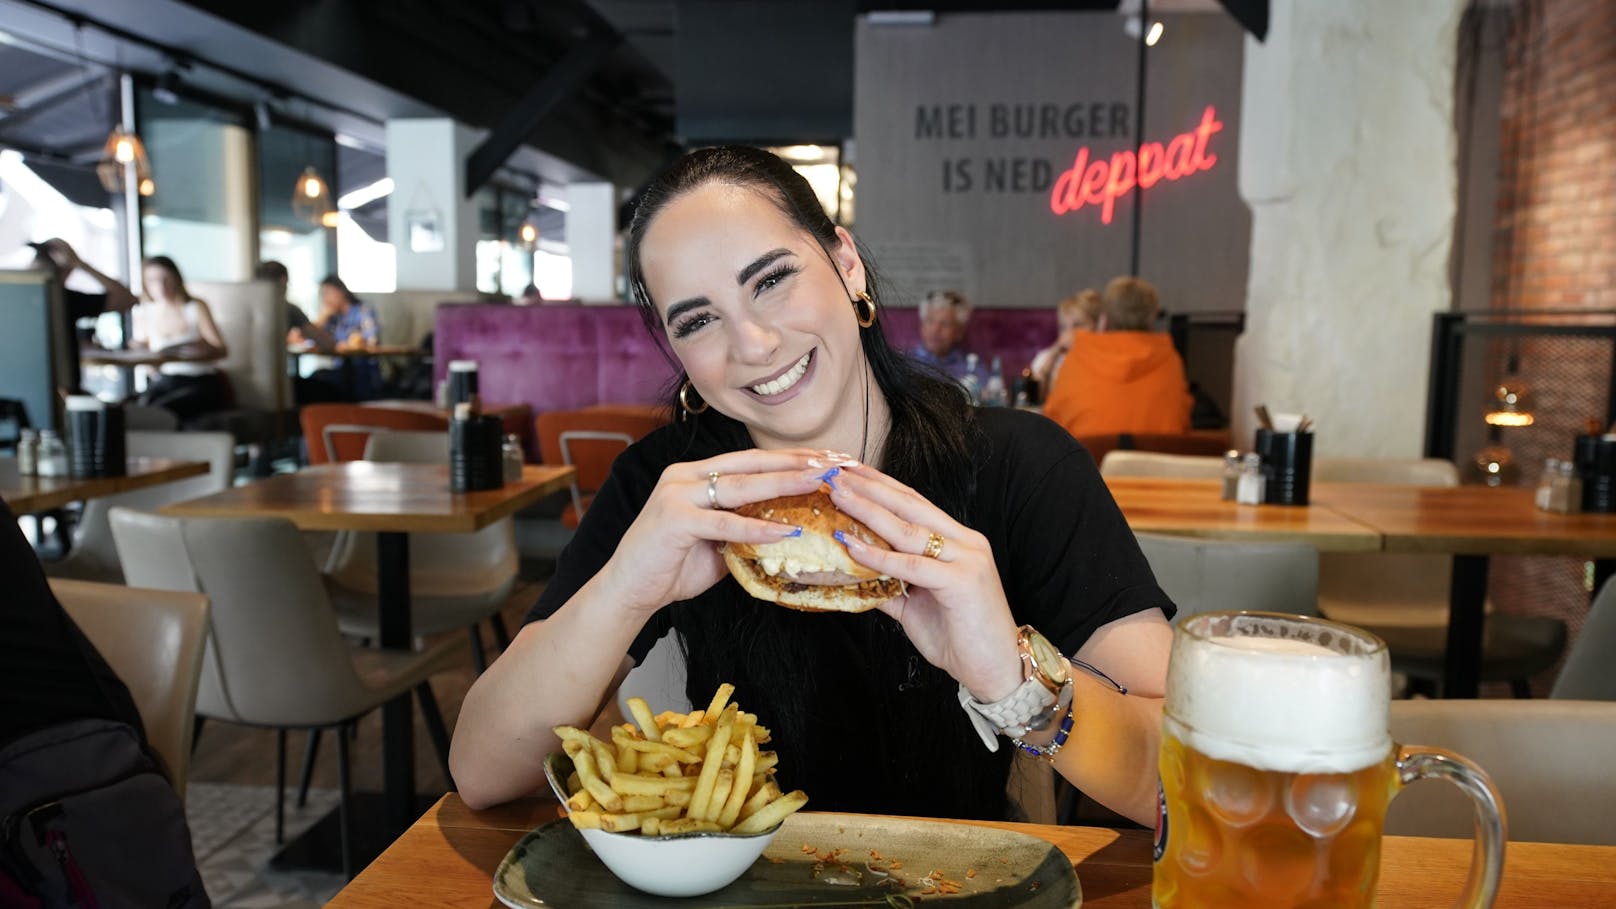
x=712, y=490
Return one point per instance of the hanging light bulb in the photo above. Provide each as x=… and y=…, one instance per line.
x=123, y=150
x=147, y=186
x=529, y=234
x=311, y=198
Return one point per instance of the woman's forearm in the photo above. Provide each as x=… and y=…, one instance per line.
x=1111, y=754
x=555, y=672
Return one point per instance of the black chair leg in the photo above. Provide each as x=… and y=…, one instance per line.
x=502, y=636
x=345, y=791
x=196, y=732
x=1521, y=688
x=280, y=786
x=435, y=728
x=478, y=658
x=311, y=749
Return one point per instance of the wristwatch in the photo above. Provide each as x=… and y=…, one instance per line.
x=1045, y=691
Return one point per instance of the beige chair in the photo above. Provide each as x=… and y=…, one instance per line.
x=456, y=579
x=153, y=640
x=252, y=318
x=1587, y=674
x=274, y=655
x=1120, y=463
x=1213, y=576
x=1403, y=598
x=93, y=557
x=1551, y=762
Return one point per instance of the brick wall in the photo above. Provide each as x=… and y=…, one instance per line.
x=1555, y=249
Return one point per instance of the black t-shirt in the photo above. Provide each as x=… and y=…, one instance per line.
x=882, y=730
x=49, y=671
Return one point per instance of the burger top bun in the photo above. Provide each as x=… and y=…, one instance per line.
x=816, y=551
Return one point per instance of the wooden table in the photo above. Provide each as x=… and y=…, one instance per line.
x=448, y=857
x=127, y=361
x=27, y=495
x=394, y=500
x=1193, y=508
x=1470, y=523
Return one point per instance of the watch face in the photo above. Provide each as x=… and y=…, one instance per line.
x=1050, y=661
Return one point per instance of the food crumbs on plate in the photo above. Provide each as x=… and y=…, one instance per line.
x=774, y=859
x=808, y=849
x=970, y=873
x=875, y=856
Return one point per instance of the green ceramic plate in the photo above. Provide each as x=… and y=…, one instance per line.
x=552, y=868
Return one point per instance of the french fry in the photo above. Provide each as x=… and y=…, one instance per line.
x=584, y=761
x=713, y=763
x=766, y=760
x=763, y=795
x=669, y=718
x=688, y=825
x=580, y=800
x=605, y=760
x=634, y=804
x=693, y=718
x=682, y=755
x=642, y=784
x=773, y=813
x=651, y=826
x=721, y=787
x=585, y=820
x=678, y=798
x=656, y=763
x=720, y=699
x=743, y=775
x=642, y=716
x=675, y=771
x=628, y=823
x=691, y=737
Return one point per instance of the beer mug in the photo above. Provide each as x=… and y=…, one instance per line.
x=1277, y=768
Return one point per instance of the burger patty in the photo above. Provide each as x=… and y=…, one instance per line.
x=875, y=588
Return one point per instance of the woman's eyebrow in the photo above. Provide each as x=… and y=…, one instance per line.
x=684, y=306
x=758, y=264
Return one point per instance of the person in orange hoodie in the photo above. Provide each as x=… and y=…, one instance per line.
x=1123, y=377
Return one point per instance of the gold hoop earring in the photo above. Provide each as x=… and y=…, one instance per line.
x=684, y=400
x=865, y=314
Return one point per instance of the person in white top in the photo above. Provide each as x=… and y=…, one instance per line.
x=1079, y=312
x=172, y=322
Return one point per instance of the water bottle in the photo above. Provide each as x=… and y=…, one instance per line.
x=1231, y=475
x=994, y=393
x=972, y=385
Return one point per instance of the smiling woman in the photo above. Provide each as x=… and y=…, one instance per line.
x=997, y=521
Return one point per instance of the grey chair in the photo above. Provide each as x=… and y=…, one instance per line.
x=93, y=557
x=1551, y=762
x=275, y=658
x=1211, y=575
x=1403, y=598
x=154, y=641
x=1127, y=463
x=1587, y=674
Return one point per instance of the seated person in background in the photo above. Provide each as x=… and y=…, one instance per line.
x=351, y=323
x=530, y=296
x=1123, y=377
x=174, y=323
x=1079, y=312
x=299, y=329
x=58, y=258
x=944, y=315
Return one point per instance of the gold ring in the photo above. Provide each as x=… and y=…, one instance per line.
x=934, y=546
x=712, y=490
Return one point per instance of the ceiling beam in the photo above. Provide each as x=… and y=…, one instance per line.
x=558, y=83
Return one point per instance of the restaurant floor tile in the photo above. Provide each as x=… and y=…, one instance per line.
x=233, y=837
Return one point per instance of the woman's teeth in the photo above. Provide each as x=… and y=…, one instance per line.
x=786, y=381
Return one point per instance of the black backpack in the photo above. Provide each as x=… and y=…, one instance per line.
x=88, y=820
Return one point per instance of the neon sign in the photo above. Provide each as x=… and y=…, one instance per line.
x=1101, y=181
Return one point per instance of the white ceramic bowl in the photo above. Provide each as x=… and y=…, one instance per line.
x=685, y=864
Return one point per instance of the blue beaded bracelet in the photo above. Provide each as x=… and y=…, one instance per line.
x=1049, y=751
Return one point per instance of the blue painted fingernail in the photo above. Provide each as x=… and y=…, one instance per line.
x=829, y=477
x=797, y=532
x=840, y=537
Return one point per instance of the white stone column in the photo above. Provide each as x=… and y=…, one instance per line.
x=591, y=241
x=1347, y=159
x=431, y=222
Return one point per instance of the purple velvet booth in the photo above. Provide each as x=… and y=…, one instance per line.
x=567, y=356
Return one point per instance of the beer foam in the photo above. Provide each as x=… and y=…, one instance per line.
x=1280, y=703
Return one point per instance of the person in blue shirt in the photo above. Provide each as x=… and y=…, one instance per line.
x=352, y=325
x=943, y=317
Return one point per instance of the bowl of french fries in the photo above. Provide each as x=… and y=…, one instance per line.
x=675, y=804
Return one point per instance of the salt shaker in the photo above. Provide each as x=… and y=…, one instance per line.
x=1545, y=484
x=1252, y=485
x=511, y=450
x=1231, y=475
x=52, y=454
x=1568, y=490
x=28, y=452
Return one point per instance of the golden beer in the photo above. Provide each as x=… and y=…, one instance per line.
x=1277, y=770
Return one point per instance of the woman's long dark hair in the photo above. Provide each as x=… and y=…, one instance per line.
x=167, y=264
x=892, y=700
x=335, y=282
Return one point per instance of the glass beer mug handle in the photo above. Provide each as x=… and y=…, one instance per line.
x=1487, y=863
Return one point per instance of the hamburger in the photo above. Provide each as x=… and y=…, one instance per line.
x=812, y=571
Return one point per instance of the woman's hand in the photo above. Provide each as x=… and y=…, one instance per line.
x=955, y=612
x=669, y=552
